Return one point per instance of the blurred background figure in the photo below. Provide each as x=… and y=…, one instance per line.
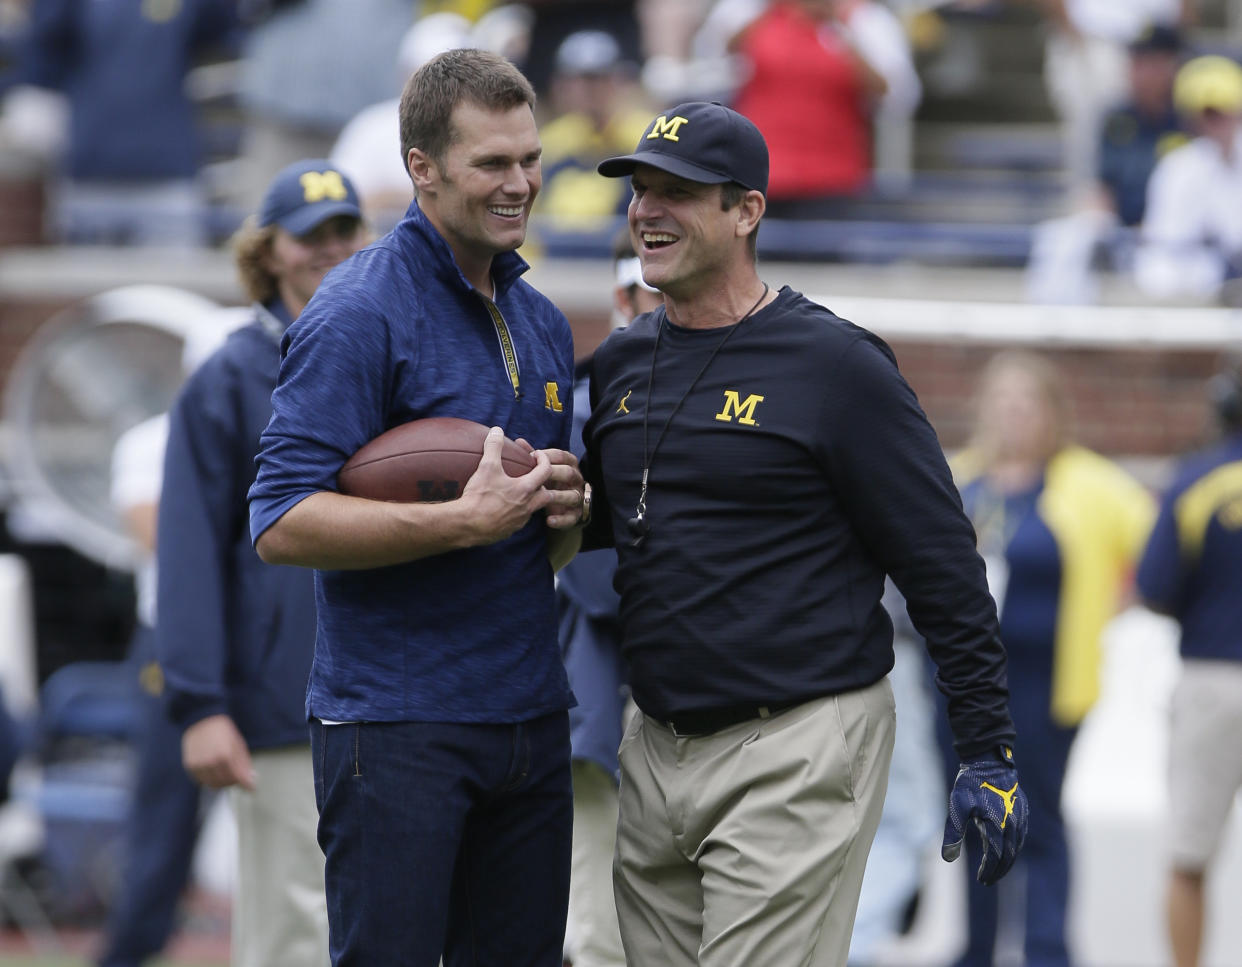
x=369, y=146
x=133, y=149
x=308, y=67
x=1133, y=136
x=236, y=636
x=554, y=20
x=811, y=91
x=912, y=819
x=590, y=640
x=165, y=811
x=1085, y=67
x=1060, y=529
x=1143, y=128
x=164, y=815
x=873, y=30
x=1192, y=570
x=598, y=113
x=1191, y=246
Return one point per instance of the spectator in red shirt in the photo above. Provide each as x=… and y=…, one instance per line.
x=811, y=93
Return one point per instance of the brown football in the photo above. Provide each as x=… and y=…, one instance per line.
x=425, y=460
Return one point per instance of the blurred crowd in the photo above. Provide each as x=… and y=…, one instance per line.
x=160, y=122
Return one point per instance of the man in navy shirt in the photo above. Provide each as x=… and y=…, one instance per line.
x=437, y=697
x=761, y=465
x=1192, y=570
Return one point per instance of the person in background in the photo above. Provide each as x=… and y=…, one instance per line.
x=910, y=820
x=590, y=645
x=1192, y=570
x=1134, y=136
x=1191, y=245
x=1144, y=128
x=593, y=93
x=235, y=635
x=166, y=807
x=1085, y=67
x=134, y=149
x=163, y=821
x=1060, y=529
x=812, y=92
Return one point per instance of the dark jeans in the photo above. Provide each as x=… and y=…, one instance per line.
x=445, y=839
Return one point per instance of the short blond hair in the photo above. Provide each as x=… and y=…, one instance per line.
x=252, y=244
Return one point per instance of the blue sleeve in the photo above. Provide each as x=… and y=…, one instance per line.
x=1160, y=573
x=201, y=514
x=887, y=463
x=329, y=400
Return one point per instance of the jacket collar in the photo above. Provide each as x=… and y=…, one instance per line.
x=507, y=267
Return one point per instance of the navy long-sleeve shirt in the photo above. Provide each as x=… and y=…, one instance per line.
x=796, y=473
x=235, y=635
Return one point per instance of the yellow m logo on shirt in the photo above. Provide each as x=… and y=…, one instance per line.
x=552, y=398
x=318, y=185
x=666, y=129
x=745, y=409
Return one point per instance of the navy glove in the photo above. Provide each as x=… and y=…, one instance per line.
x=986, y=792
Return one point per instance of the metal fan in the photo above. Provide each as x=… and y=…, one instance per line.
x=89, y=374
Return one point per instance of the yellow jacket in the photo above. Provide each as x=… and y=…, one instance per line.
x=1100, y=518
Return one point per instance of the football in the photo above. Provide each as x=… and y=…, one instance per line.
x=425, y=460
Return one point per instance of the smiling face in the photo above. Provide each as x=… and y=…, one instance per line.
x=480, y=195
x=299, y=263
x=686, y=241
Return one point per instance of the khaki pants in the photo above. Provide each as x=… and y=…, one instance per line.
x=748, y=846
x=591, y=934
x=280, y=916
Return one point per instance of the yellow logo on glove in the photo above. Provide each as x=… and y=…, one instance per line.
x=1006, y=797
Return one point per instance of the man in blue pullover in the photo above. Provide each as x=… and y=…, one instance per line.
x=235, y=635
x=437, y=698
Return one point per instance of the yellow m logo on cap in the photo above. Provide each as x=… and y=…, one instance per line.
x=666, y=129
x=318, y=185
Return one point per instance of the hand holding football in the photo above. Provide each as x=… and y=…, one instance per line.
x=425, y=460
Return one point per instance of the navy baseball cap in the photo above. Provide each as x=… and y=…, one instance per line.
x=1158, y=38
x=307, y=193
x=699, y=141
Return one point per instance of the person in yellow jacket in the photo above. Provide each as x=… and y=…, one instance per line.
x=1060, y=529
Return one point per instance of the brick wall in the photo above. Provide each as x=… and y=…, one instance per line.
x=1145, y=401
x=1125, y=402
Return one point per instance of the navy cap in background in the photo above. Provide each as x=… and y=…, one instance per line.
x=1158, y=38
x=305, y=194
x=588, y=53
x=699, y=141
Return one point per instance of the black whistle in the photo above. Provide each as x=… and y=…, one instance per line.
x=638, y=528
